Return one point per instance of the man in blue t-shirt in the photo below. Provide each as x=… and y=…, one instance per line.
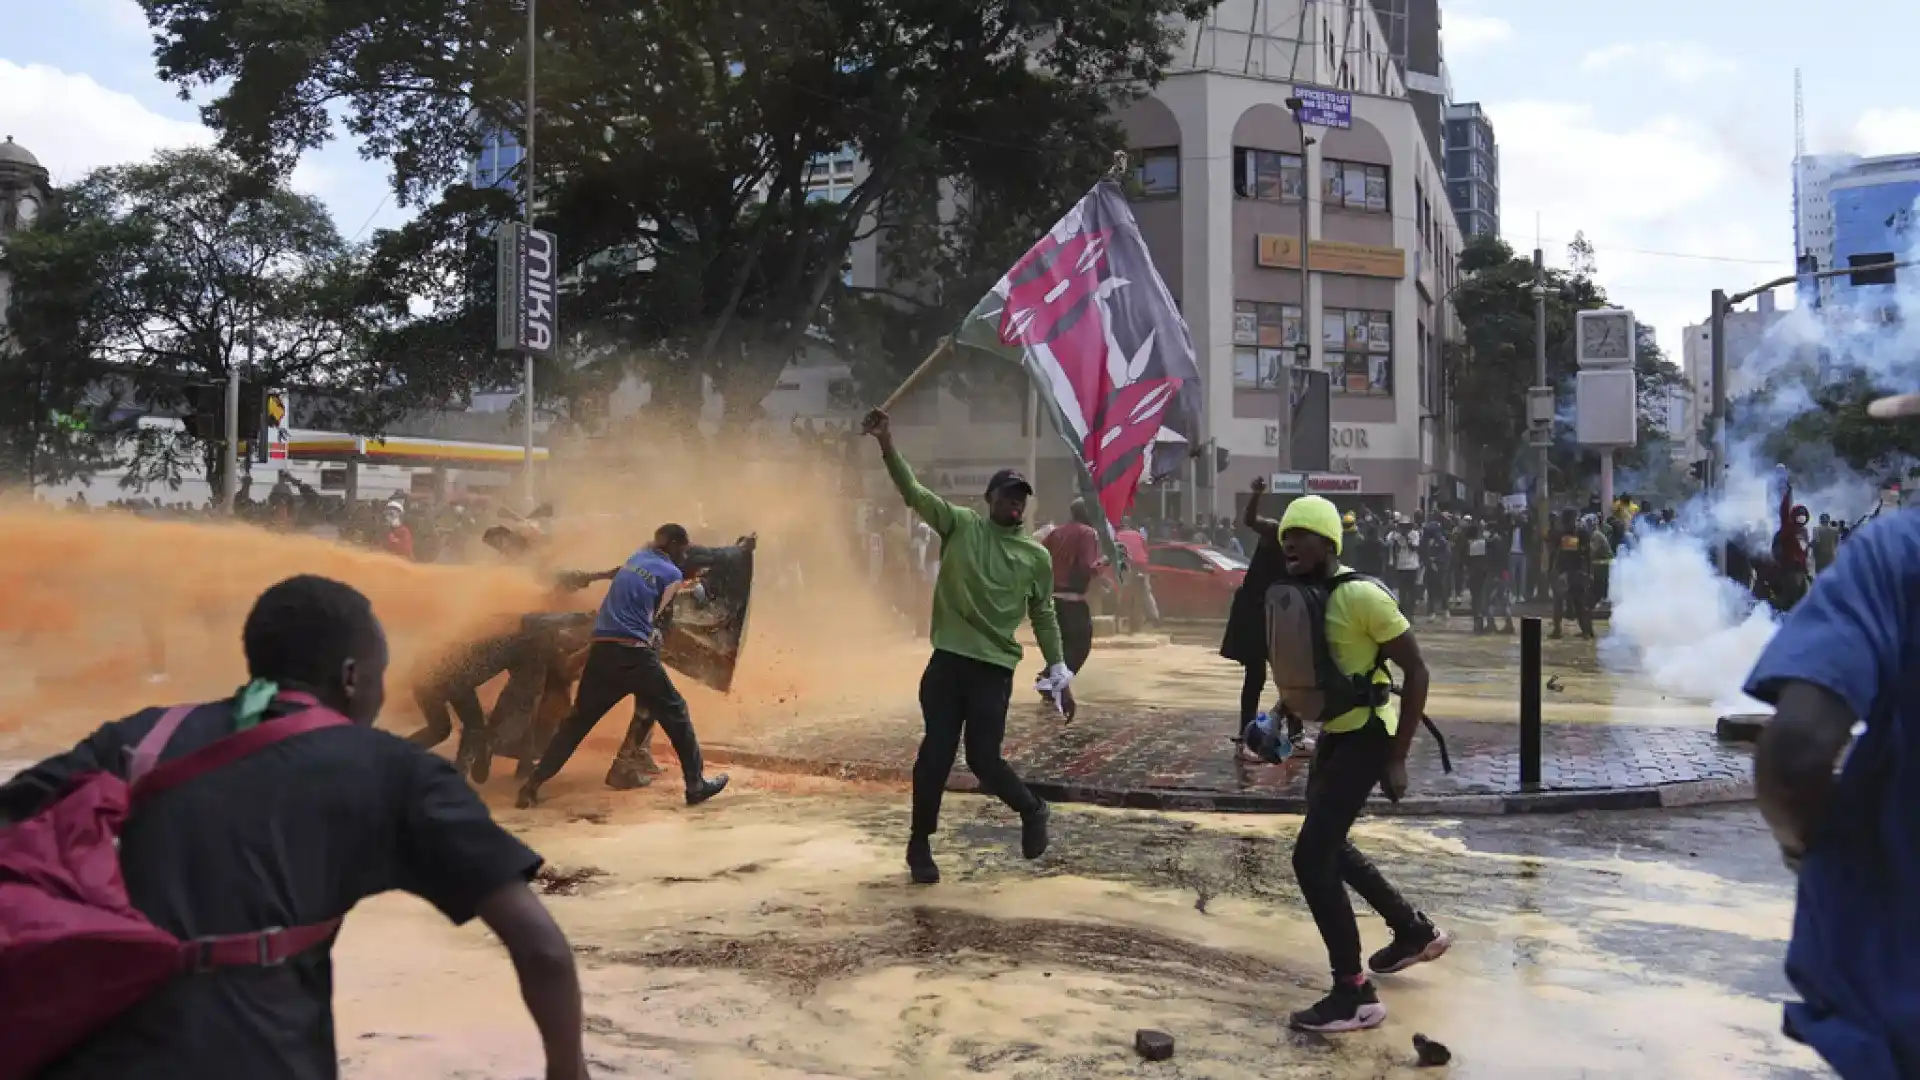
x=1848, y=655
x=624, y=660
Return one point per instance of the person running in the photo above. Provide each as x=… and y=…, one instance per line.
x=991, y=574
x=624, y=661
x=1245, y=642
x=295, y=835
x=1075, y=550
x=1358, y=751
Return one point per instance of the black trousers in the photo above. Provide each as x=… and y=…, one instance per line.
x=1572, y=598
x=1346, y=767
x=614, y=673
x=455, y=684
x=1076, y=631
x=963, y=700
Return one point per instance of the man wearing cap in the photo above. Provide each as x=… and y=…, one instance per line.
x=1357, y=751
x=1844, y=658
x=991, y=575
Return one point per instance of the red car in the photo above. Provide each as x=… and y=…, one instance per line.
x=1190, y=581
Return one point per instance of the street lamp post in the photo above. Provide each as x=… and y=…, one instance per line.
x=1309, y=321
x=526, y=371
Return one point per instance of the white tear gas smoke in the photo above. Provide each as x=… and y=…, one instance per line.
x=1677, y=621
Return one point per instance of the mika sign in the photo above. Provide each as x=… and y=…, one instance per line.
x=526, y=307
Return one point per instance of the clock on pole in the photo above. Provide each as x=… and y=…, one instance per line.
x=1605, y=338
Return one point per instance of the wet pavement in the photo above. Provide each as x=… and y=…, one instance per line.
x=774, y=934
x=1606, y=741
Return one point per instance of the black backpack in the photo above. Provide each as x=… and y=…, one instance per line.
x=1311, y=684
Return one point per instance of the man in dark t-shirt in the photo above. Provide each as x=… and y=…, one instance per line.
x=294, y=834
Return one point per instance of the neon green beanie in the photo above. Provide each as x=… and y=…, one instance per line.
x=1314, y=514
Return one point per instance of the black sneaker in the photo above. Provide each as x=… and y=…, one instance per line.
x=708, y=789
x=1033, y=832
x=528, y=798
x=920, y=862
x=1349, y=1007
x=1423, y=942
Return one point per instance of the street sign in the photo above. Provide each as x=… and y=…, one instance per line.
x=1606, y=409
x=1327, y=108
x=526, y=310
x=278, y=423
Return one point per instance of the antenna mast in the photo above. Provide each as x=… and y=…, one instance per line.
x=1799, y=171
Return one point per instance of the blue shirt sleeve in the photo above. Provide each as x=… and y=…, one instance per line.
x=1848, y=635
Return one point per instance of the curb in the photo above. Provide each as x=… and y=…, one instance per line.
x=1562, y=801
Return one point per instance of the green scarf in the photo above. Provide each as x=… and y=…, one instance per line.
x=251, y=702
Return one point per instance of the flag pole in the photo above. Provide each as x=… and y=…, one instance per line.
x=912, y=380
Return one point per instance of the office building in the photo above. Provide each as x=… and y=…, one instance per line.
x=1848, y=210
x=1473, y=170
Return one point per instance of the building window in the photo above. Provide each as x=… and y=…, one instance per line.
x=1870, y=277
x=1264, y=339
x=1268, y=175
x=1355, y=186
x=1358, y=351
x=1156, y=172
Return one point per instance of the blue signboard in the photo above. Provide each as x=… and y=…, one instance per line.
x=1327, y=108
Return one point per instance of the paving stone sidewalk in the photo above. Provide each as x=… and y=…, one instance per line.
x=1174, y=760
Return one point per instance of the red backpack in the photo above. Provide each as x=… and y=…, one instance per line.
x=74, y=953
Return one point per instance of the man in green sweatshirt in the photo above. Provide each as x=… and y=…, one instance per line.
x=991, y=575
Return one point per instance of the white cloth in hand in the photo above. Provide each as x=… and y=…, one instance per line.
x=1054, y=682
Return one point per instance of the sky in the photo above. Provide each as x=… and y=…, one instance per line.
x=1663, y=129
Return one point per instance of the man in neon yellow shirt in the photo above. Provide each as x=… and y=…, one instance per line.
x=992, y=574
x=1357, y=751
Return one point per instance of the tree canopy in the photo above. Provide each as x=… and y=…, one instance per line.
x=679, y=152
x=147, y=280
x=1487, y=374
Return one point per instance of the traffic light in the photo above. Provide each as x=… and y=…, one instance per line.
x=206, y=413
x=1698, y=470
x=1219, y=459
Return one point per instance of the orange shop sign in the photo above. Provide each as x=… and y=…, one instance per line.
x=1331, y=257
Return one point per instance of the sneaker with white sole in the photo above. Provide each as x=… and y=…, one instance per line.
x=1417, y=945
x=1350, y=1007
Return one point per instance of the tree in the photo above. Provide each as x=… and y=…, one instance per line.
x=1485, y=373
x=680, y=148
x=1811, y=415
x=149, y=280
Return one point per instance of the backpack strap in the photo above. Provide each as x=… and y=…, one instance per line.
x=156, y=778
x=264, y=948
x=147, y=754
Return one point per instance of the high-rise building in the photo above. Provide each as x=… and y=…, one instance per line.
x=1412, y=33
x=1746, y=332
x=1473, y=170
x=1850, y=210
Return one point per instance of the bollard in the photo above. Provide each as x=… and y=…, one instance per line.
x=1529, y=704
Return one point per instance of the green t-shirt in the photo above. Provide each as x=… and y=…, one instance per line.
x=1362, y=616
x=991, y=576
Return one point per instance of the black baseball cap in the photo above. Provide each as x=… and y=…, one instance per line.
x=1007, y=476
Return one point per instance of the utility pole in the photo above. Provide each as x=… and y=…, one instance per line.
x=526, y=186
x=1542, y=389
x=230, y=473
x=1717, y=346
x=1309, y=321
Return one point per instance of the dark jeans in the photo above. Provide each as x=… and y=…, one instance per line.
x=1346, y=766
x=1439, y=590
x=1571, y=598
x=962, y=699
x=1406, y=585
x=1076, y=631
x=1477, y=587
x=613, y=673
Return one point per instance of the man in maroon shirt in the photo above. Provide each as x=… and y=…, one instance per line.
x=1075, y=548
